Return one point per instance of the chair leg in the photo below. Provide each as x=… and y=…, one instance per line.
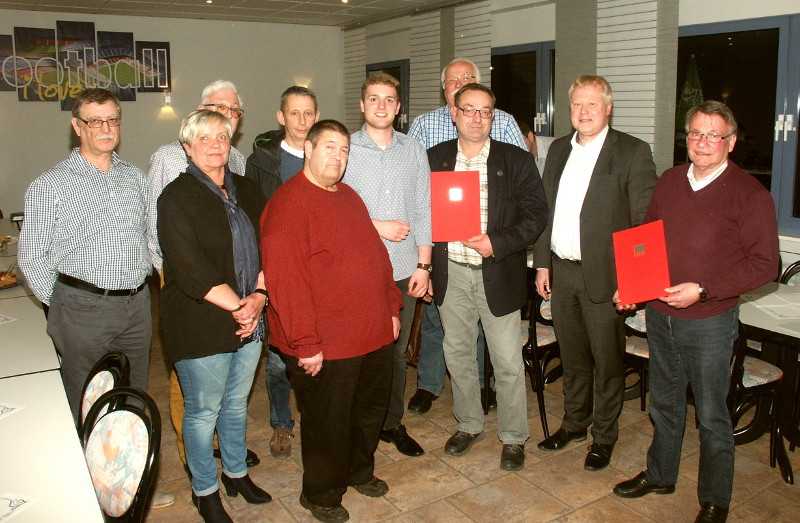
x=487, y=373
x=643, y=388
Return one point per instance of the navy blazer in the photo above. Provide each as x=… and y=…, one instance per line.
x=517, y=215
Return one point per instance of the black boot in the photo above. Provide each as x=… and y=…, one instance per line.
x=244, y=485
x=210, y=507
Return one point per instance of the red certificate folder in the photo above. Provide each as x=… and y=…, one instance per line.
x=642, y=267
x=455, y=205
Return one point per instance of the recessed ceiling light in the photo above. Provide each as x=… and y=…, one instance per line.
x=344, y=1
x=209, y=1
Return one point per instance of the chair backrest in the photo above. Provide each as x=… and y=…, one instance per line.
x=636, y=324
x=110, y=371
x=121, y=437
x=541, y=309
x=791, y=271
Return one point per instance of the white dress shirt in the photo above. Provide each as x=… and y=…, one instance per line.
x=565, y=240
x=699, y=184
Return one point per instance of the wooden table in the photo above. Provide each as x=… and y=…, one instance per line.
x=26, y=347
x=779, y=334
x=41, y=455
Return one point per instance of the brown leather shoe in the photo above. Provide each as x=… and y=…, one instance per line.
x=280, y=445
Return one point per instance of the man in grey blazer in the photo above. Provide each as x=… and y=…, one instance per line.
x=597, y=181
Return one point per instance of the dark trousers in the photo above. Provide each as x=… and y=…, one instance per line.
x=696, y=353
x=341, y=412
x=86, y=326
x=394, y=416
x=591, y=337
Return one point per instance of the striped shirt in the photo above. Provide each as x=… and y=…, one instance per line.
x=87, y=224
x=165, y=165
x=457, y=251
x=395, y=185
x=435, y=127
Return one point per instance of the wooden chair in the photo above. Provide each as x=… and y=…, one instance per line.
x=539, y=342
x=637, y=357
x=121, y=438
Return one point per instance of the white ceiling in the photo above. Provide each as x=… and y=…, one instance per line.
x=312, y=12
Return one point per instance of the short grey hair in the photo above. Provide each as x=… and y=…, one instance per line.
x=712, y=107
x=220, y=85
x=462, y=61
x=199, y=121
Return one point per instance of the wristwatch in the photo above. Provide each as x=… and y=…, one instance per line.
x=703, y=292
x=425, y=266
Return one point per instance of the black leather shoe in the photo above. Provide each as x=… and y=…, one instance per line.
x=251, y=459
x=512, y=457
x=373, y=488
x=332, y=514
x=245, y=486
x=210, y=508
x=561, y=439
x=492, y=399
x=404, y=443
x=639, y=486
x=711, y=514
x=460, y=442
x=421, y=401
x=598, y=457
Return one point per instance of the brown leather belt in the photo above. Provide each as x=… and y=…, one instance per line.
x=86, y=286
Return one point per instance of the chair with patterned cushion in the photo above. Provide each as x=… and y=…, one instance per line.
x=637, y=357
x=121, y=438
x=110, y=371
x=754, y=385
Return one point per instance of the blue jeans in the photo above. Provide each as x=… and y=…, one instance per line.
x=278, y=388
x=696, y=353
x=431, y=367
x=215, y=390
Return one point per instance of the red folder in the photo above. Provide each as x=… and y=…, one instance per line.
x=455, y=205
x=641, y=258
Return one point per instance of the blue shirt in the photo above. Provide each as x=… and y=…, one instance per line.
x=395, y=185
x=290, y=165
x=435, y=127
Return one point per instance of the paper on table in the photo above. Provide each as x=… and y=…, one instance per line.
x=11, y=505
x=783, y=307
x=6, y=319
x=7, y=409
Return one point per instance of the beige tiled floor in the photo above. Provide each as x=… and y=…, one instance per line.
x=441, y=488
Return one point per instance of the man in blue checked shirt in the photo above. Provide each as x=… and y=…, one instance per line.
x=390, y=172
x=430, y=129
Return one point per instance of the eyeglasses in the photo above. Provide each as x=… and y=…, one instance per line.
x=97, y=123
x=465, y=78
x=470, y=112
x=712, y=138
x=235, y=112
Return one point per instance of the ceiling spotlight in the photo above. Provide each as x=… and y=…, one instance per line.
x=344, y=1
x=209, y=1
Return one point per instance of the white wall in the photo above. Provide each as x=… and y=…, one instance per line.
x=35, y=135
x=706, y=11
x=388, y=41
x=522, y=22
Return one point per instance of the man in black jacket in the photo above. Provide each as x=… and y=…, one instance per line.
x=277, y=156
x=483, y=277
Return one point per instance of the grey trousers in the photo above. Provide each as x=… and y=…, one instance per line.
x=464, y=304
x=85, y=326
x=394, y=416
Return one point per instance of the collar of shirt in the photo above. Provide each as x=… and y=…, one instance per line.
x=481, y=158
x=699, y=184
x=592, y=147
x=362, y=137
x=90, y=167
x=299, y=153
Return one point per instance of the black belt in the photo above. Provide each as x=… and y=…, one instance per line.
x=576, y=262
x=86, y=286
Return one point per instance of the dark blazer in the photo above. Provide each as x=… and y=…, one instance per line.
x=617, y=198
x=517, y=215
x=196, y=241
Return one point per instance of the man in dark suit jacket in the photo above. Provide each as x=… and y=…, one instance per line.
x=597, y=181
x=483, y=277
